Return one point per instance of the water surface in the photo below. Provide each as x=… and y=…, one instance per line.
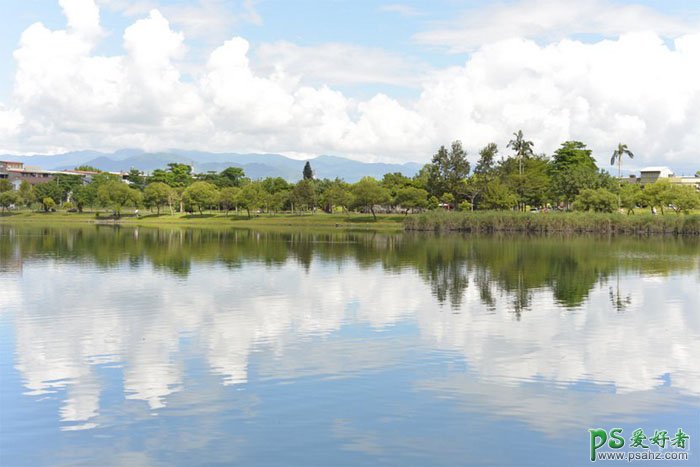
x=159, y=347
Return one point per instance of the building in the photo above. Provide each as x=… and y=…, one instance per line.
x=652, y=174
x=17, y=172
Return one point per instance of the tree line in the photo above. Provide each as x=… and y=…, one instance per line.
x=568, y=179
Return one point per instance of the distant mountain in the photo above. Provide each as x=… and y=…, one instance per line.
x=255, y=165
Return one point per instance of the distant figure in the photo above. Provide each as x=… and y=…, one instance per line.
x=136, y=212
x=653, y=210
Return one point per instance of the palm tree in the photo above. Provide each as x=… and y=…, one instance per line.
x=621, y=150
x=522, y=148
x=618, y=154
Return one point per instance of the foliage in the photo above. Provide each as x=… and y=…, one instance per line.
x=5, y=185
x=26, y=193
x=368, y=193
x=598, y=200
x=137, y=179
x=622, y=150
x=84, y=195
x=48, y=204
x=158, y=194
x=337, y=194
x=48, y=190
x=228, y=198
x=251, y=197
x=487, y=159
x=202, y=195
x=447, y=170
x=499, y=196
x=410, y=197
x=308, y=173
x=116, y=195
x=304, y=194
x=9, y=198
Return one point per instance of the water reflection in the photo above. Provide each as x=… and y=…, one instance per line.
x=553, y=331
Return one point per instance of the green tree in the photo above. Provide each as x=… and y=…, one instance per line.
x=599, y=200
x=487, y=160
x=116, y=195
x=232, y=176
x=683, y=198
x=337, y=194
x=630, y=196
x=9, y=198
x=410, y=197
x=202, y=195
x=308, y=173
x=157, y=194
x=87, y=168
x=84, y=195
x=48, y=190
x=5, y=185
x=573, y=169
x=369, y=193
x=26, y=193
x=228, y=198
x=137, y=179
x=657, y=194
x=251, y=197
x=532, y=184
x=447, y=170
x=499, y=196
x=48, y=204
x=304, y=194
x=522, y=148
x=617, y=155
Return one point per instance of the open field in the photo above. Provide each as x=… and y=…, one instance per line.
x=319, y=220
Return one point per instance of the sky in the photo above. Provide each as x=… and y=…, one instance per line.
x=368, y=80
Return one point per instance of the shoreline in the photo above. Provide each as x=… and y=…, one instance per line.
x=482, y=222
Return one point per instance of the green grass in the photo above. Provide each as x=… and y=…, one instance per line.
x=319, y=220
x=570, y=222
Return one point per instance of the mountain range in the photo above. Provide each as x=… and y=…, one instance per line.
x=255, y=165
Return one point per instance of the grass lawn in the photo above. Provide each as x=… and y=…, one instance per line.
x=319, y=220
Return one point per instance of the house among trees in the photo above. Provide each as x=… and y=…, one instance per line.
x=17, y=172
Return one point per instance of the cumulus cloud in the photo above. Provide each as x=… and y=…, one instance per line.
x=549, y=20
x=637, y=88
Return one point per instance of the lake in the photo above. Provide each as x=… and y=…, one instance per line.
x=133, y=346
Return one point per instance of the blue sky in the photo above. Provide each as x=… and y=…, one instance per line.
x=336, y=72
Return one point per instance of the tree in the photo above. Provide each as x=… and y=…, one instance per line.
x=487, y=159
x=573, y=169
x=48, y=204
x=522, y=148
x=251, y=197
x=26, y=193
x=48, y=190
x=304, y=194
x=136, y=178
x=5, y=185
x=87, y=168
x=157, y=194
x=410, y=197
x=202, y=195
x=617, y=155
x=447, y=170
x=337, y=194
x=657, y=194
x=116, y=195
x=599, y=200
x=368, y=192
x=84, y=195
x=630, y=196
x=499, y=196
x=532, y=185
x=307, y=172
x=683, y=198
x=228, y=198
x=231, y=176
x=8, y=199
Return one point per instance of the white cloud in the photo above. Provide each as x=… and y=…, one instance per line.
x=401, y=9
x=550, y=20
x=339, y=64
x=634, y=88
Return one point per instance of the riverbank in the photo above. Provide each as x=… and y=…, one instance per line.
x=569, y=222
x=319, y=220
x=434, y=221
